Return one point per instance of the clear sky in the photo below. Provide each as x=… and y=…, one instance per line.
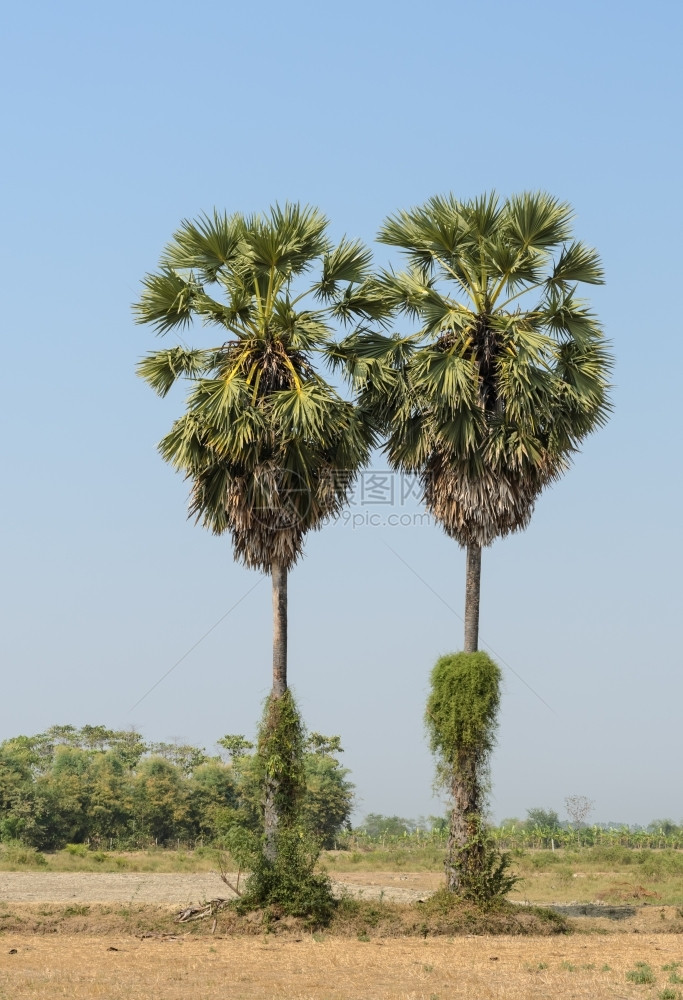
x=121, y=119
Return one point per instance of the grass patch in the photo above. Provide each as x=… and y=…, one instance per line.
x=642, y=975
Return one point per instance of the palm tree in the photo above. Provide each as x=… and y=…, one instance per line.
x=506, y=374
x=270, y=448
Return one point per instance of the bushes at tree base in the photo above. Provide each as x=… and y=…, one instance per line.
x=287, y=884
x=283, y=859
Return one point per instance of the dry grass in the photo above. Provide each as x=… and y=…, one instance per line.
x=14, y=858
x=440, y=916
x=561, y=876
x=328, y=968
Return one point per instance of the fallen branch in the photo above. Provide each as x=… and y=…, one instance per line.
x=208, y=909
x=224, y=877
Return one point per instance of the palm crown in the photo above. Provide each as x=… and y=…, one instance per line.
x=507, y=373
x=271, y=449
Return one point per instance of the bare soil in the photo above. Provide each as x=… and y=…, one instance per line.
x=183, y=889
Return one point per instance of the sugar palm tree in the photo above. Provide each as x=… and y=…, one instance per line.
x=506, y=374
x=270, y=448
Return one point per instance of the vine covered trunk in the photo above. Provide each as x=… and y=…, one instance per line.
x=464, y=849
x=472, y=589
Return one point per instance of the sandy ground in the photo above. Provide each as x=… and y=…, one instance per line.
x=326, y=968
x=141, y=887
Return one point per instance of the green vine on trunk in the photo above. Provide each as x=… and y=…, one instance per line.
x=461, y=719
x=280, y=750
x=283, y=862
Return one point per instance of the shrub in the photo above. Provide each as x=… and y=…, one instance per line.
x=287, y=883
x=18, y=854
x=77, y=850
x=642, y=975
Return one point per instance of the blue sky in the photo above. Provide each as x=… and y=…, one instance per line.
x=121, y=120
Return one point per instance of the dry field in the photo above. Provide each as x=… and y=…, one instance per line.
x=322, y=968
x=86, y=944
x=155, y=887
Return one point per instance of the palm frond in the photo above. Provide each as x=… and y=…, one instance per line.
x=206, y=245
x=348, y=262
x=577, y=262
x=537, y=221
x=167, y=300
x=160, y=369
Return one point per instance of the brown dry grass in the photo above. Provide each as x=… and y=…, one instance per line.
x=327, y=968
x=440, y=915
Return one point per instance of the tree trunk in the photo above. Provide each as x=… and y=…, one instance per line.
x=464, y=844
x=472, y=589
x=463, y=856
x=271, y=819
x=279, y=578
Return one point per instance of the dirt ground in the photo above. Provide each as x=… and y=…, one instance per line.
x=144, y=887
x=322, y=968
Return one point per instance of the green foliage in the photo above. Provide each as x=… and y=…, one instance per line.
x=490, y=878
x=282, y=854
x=327, y=798
x=160, y=800
x=546, y=819
x=289, y=882
x=381, y=827
x=235, y=745
x=462, y=708
x=16, y=853
x=279, y=754
x=186, y=758
x=508, y=371
x=461, y=720
x=642, y=975
x=270, y=448
x=77, y=850
x=68, y=786
x=324, y=802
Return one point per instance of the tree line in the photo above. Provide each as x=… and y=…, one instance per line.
x=112, y=788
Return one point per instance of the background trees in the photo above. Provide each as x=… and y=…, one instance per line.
x=53, y=793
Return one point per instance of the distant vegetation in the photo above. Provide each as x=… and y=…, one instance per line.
x=541, y=830
x=113, y=790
